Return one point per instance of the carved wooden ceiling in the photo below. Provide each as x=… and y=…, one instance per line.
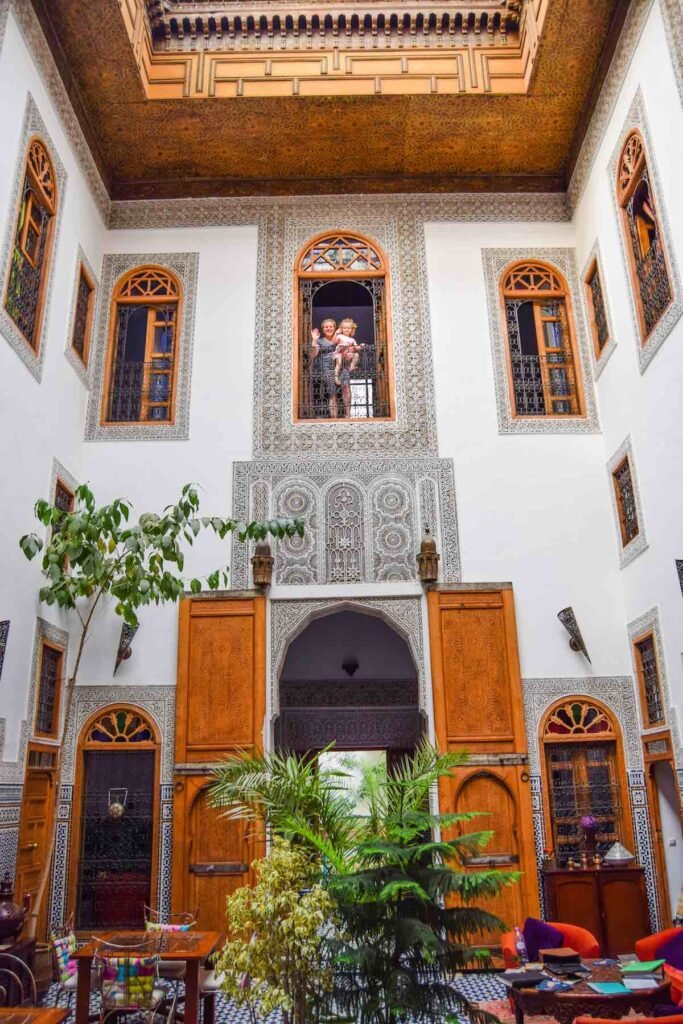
x=255, y=125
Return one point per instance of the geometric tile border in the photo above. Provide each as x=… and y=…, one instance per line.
x=495, y=261
x=639, y=543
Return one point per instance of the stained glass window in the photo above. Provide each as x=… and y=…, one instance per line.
x=120, y=726
x=596, y=301
x=647, y=256
x=143, y=362
x=80, y=338
x=540, y=346
x=25, y=295
x=648, y=672
x=626, y=502
x=49, y=686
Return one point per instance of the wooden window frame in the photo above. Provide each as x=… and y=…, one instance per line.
x=623, y=194
x=53, y=733
x=52, y=206
x=649, y=634
x=536, y=296
x=87, y=334
x=593, y=269
x=79, y=789
x=612, y=735
x=150, y=302
x=625, y=539
x=345, y=275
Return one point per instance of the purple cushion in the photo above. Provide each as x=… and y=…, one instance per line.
x=541, y=935
x=666, y=1010
x=672, y=951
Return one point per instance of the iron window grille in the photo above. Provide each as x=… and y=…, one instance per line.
x=82, y=318
x=582, y=781
x=597, y=301
x=49, y=685
x=650, y=682
x=626, y=502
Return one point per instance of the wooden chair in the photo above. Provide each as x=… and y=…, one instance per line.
x=17, y=984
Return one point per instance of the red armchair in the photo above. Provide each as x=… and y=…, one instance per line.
x=575, y=937
x=643, y=1020
x=647, y=949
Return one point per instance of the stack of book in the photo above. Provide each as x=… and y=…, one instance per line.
x=642, y=975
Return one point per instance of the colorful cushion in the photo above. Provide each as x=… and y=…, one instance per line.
x=155, y=926
x=540, y=935
x=128, y=981
x=64, y=948
x=675, y=976
x=672, y=951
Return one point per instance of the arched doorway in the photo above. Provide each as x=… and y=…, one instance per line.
x=115, y=842
x=349, y=679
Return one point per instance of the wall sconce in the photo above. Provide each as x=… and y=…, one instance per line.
x=262, y=564
x=568, y=620
x=117, y=799
x=350, y=665
x=679, y=570
x=125, y=644
x=428, y=559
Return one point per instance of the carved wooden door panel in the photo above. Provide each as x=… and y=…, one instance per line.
x=478, y=708
x=34, y=829
x=220, y=707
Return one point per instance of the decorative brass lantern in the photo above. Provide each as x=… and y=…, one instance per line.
x=428, y=559
x=262, y=564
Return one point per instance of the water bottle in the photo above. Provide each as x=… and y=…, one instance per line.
x=520, y=948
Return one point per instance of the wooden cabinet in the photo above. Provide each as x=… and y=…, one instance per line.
x=610, y=902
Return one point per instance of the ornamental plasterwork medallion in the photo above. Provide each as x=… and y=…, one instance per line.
x=639, y=543
x=495, y=263
x=185, y=266
x=646, y=351
x=413, y=430
x=266, y=48
x=364, y=518
x=288, y=619
x=33, y=125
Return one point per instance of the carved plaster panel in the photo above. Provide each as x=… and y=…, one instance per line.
x=114, y=265
x=157, y=701
x=33, y=125
x=288, y=619
x=617, y=692
x=650, y=622
x=646, y=350
x=395, y=498
x=495, y=262
x=599, y=362
x=639, y=543
x=84, y=372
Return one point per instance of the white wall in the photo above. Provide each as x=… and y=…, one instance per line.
x=645, y=406
x=38, y=421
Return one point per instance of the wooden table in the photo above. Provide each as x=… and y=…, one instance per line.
x=32, y=1015
x=192, y=947
x=581, y=1000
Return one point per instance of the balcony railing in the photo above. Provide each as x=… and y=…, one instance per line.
x=140, y=391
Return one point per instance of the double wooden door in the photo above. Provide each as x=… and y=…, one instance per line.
x=220, y=708
x=478, y=708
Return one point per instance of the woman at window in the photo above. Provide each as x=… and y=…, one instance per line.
x=323, y=349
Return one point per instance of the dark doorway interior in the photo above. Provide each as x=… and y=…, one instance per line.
x=115, y=863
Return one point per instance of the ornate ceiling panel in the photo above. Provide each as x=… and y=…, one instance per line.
x=410, y=120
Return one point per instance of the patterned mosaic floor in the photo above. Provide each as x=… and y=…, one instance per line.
x=475, y=987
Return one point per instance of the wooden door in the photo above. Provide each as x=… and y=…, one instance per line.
x=220, y=709
x=478, y=708
x=34, y=831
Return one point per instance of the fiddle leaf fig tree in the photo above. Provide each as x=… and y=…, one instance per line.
x=94, y=553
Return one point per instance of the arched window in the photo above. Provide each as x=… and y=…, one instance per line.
x=650, y=278
x=143, y=361
x=343, y=364
x=542, y=361
x=29, y=269
x=581, y=747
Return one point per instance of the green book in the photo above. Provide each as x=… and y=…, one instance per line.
x=608, y=988
x=642, y=967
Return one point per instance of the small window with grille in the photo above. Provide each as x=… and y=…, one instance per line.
x=650, y=683
x=82, y=326
x=49, y=690
x=598, y=312
x=542, y=361
x=142, y=364
x=582, y=781
x=627, y=507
